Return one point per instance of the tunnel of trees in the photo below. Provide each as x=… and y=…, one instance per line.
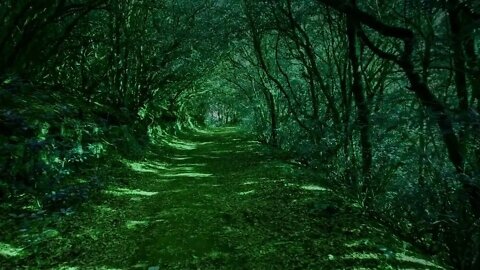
x=381, y=99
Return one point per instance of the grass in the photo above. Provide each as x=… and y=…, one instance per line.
x=212, y=200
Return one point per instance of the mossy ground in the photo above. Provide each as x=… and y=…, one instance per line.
x=214, y=200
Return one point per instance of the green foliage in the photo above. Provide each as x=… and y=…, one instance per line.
x=326, y=82
x=84, y=80
x=381, y=97
x=44, y=145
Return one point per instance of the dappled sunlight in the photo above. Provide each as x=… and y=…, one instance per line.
x=313, y=188
x=185, y=167
x=180, y=202
x=146, y=167
x=243, y=193
x=180, y=158
x=224, y=152
x=168, y=172
x=229, y=152
x=207, y=156
x=180, y=144
x=7, y=250
x=32, y=207
x=187, y=174
x=134, y=224
x=249, y=183
x=163, y=171
x=217, y=131
x=391, y=256
x=158, y=220
x=205, y=143
x=419, y=261
x=208, y=185
x=130, y=192
x=157, y=134
x=188, y=170
x=196, y=164
x=357, y=243
x=156, y=164
x=362, y=256
x=174, y=191
x=265, y=181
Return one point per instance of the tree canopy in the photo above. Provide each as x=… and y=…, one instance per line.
x=381, y=98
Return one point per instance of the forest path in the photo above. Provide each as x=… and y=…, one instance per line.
x=219, y=200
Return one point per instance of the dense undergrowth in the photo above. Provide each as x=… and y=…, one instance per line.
x=52, y=152
x=380, y=98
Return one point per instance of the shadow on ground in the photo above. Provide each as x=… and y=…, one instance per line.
x=215, y=200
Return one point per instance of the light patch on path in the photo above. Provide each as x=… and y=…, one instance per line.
x=133, y=224
x=8, y=250
x=398, y=257
x=193, y=175
x=313, y=188
x=249, y=183
x=134, y=192
x=180, y=158
x=246, y=192
x=180, y=145
x=230, y=205
x=146, y=167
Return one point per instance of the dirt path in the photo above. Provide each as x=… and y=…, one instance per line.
x=219, y=201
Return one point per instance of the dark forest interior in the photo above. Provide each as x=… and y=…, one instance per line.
x=240, y=134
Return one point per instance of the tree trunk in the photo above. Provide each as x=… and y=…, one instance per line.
x=459, y=67
x=362, y=108
x=418, y=86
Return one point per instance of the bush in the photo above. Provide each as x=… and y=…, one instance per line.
x=43, y=142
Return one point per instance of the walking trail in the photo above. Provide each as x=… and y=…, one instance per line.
x=219, y=200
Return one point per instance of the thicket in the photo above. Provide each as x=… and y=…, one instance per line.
x=384, y=97
x=84, y=80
